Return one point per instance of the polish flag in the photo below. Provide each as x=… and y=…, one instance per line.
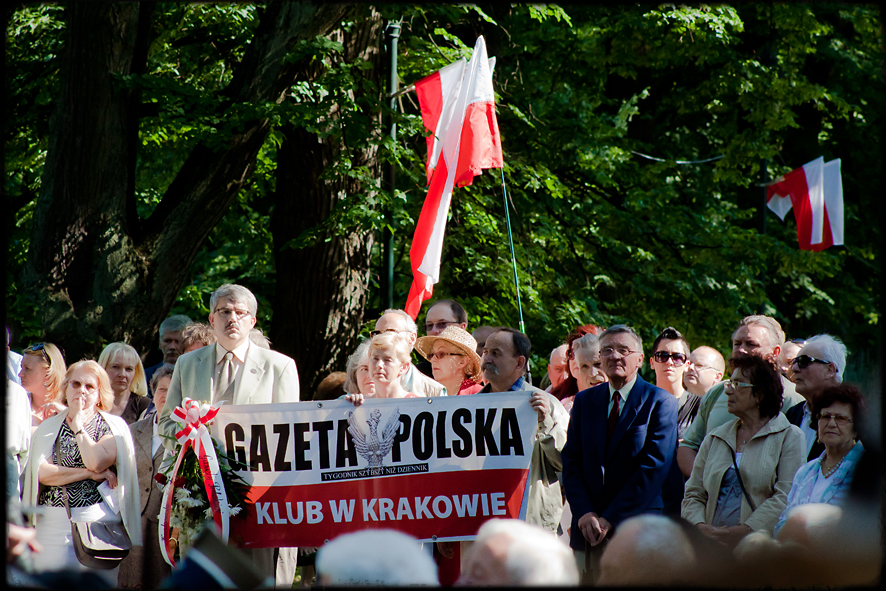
x=815, y=193
x=458, y=107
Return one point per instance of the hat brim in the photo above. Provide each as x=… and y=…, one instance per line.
x=424, y=345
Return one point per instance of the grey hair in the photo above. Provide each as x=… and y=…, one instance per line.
x=376, y=557
x=173, y=324
x=235, y=293
x=354, y=360
x=163, y=371
x=586, y=343
x=622, y=329
x=410, y=323
x=832, y=349
x=660, y=549
x=535, y=556
x=259, y=339
x=773, y=328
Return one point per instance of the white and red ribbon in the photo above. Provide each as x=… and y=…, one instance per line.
x=194, y=418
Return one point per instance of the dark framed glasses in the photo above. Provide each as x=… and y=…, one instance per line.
x=663, y=356
x=803, y=361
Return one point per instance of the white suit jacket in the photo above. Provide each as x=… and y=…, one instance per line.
x=267, y=377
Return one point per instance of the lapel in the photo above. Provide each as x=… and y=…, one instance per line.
x=143, y=438
x=636, y=398
x=598, y=401
x=202, y=388
x=253, y=370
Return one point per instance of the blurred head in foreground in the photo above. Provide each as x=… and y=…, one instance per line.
x=377, y=558
x=510, y=552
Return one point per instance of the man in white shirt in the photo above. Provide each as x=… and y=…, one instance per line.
x=238, y=372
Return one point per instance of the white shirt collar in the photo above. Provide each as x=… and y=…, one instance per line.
x=624, y=390
x=239, y=352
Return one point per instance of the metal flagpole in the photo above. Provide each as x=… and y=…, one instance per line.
x=514, y=265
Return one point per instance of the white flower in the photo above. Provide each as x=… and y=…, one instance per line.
x=235, y=510
x=208, y=512
x=182, y=493
x=190, y=502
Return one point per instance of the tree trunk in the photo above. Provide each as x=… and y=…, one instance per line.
x=95, y=270
x=321, y=289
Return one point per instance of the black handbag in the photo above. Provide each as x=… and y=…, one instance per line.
x=99, y=545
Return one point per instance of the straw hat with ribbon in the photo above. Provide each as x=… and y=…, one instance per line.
x=461, y=340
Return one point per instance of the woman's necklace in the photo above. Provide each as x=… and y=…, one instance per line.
x=833, y=469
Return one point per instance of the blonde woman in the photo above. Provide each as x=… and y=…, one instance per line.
x=127, y=375
x=389, y=359
x=42, y=373
x=71, y=453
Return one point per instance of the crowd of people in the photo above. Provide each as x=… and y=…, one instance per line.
x=688, y=480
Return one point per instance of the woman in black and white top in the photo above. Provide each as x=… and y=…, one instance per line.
x=71, y=454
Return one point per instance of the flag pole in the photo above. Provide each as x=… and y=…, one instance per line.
x=514, y=265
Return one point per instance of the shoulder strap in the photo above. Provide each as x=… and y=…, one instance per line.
x=741, y=484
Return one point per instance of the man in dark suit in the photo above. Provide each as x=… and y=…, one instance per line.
x=819, y=364
x=619, y=446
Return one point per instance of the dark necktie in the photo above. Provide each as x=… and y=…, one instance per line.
x=613, y=417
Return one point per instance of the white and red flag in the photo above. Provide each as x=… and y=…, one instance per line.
x=815, y=193
x=458, y=107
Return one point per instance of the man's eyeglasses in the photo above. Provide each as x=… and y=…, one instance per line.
x=700, y=366
x=438, y=325
x=41, y=347
x=375, y=333
x=622, y=351
x=735, y=384
x=232, y=312
x=841, y=420
x=663, y=356
x=441, y=355
x=803, y=361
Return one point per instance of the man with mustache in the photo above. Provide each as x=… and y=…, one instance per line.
x=238, y=372
x=503, y=363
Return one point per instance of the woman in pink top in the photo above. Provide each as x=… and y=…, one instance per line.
x=454, y=360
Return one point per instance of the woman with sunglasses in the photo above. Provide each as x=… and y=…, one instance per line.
x=744, y=469
x=71, y=454
x=42, y=373
x=127, y=375
x=454, y=359
x=837, y=414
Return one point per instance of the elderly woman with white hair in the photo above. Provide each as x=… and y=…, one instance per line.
x=71, y=453
x=127, y=375
x=358, y=378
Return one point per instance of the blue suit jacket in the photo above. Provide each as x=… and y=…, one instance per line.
x=624, y=478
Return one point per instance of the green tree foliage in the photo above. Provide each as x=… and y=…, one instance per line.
x=602, y=234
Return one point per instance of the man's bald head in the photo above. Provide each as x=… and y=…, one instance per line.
x=480, y=334
x=706, y=368
x=646, y=551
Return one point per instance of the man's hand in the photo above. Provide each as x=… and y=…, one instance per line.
x=539, y=402
x=17, y=539
x=593, y=527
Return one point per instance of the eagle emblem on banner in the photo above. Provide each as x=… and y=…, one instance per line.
x=371, y=446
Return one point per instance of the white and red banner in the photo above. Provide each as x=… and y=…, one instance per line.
x=458, y=107
x=815, y=193
x=435, y=468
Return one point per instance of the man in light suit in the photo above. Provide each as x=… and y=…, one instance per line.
x=238, y=372
x=619, y=447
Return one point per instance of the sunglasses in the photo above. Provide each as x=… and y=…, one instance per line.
x=439, y=325
x=40, y=347
x=663, y=356
x=803, y=361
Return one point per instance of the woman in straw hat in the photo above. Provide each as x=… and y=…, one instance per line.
x=454, y=360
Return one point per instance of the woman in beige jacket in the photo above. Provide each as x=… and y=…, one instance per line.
x=744, y=469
